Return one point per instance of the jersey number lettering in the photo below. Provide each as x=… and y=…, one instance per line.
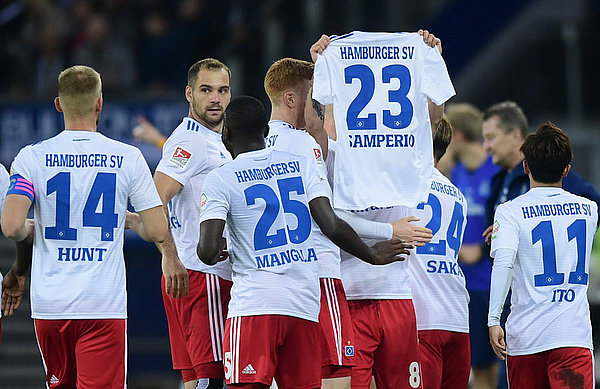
x=103, y=191
x=367, y=89
x=543, y=232
x=262, y=238
x=454, y=232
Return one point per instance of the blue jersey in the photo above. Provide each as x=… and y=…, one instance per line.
x=475, y=185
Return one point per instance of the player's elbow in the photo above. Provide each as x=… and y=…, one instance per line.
x=157, y=233
x=12, y=229
x=207, y=252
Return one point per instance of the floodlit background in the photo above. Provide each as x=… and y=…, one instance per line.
x=543, y=54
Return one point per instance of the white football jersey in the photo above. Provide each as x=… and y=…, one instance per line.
x=263, y=196
x=552, y=232
x=4, y=182
x=378, y=84
x=438, y=287
x=189, y=154
x=82, y=181
x=285, y=137
x=362, y=280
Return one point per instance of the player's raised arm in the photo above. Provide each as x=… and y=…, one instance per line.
x=318, y=47
x=348, y=240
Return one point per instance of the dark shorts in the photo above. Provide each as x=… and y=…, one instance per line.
x=482, y=354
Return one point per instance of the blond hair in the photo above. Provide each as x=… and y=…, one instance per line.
x=466, y=118
x=284, y=75
x=78, y=90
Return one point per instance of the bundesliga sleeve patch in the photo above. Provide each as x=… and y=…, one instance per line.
x=203, y=202
x=318, y=155
x=495, y=230
x=21, y=186
x=180, y=157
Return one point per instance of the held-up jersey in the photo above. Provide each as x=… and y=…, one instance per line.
x=285, y=137
x=263, y=196
x=378, y=84
x=189, y=154
x=82, y=181
x=438, y=285
x=552, y=232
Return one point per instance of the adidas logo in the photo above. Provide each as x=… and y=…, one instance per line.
x=53, y=380
x=249, y=369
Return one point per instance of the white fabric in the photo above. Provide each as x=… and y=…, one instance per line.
x=4, y=183
x=366, y=229
x=378, y=84
x=189, y=154
x=365, y=281
x=285, y=137
x=438, y=287
x=82, y=278
x=547, y=227
x=281, y=276
x=502, y=273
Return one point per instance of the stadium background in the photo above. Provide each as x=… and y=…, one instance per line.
x=543, y=54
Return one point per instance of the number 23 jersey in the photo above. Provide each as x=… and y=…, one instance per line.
x=552, y=232
x=82, y=182
x=378, y=84
x=263, y=196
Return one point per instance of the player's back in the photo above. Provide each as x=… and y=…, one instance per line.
x=554, y=230
x=266, y=194
x=287, y=138
x=437, y=282
x=82, y=182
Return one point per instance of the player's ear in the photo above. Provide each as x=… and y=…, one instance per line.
x=188, y=93
x=526, y=167
x=266, y=130
x=57, y=105
x=99, y=103
x=288, y=99
x=566, y=171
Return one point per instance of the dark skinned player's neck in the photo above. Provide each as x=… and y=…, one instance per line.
x=248, y=146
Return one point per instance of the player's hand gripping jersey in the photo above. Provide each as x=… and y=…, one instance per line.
x=263, y=196
x=552, y=232
x=378, y=84
x=190, y=153
x=285, y=137
x=82, y=182
x=438, y=284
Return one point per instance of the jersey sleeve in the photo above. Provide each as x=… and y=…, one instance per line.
x=21, y=166
x=143, y=194
x=322, y=91
x=215, y=198
x=505, y=231
x=436, y=82
x=315, y=186
x=183, y=156
x=4, y=183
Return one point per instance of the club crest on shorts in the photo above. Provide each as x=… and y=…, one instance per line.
x=349, y=351
x=180, y=157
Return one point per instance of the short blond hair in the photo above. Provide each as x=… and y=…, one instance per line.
x=286, y=74
x=78, y=90
x=466, y=118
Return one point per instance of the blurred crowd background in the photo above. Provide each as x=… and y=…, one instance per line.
x=543, y=54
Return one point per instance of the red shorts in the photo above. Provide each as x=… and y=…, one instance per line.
x=196, y=325
x=336, y=328
x=83, y=353
x=568, y=367
x=445, y=359
x=385, y=336
x=260, y=348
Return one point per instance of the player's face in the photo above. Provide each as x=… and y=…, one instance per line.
x=302, y=91
x=313, y=121
x=501, y=145
x=209, y=97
